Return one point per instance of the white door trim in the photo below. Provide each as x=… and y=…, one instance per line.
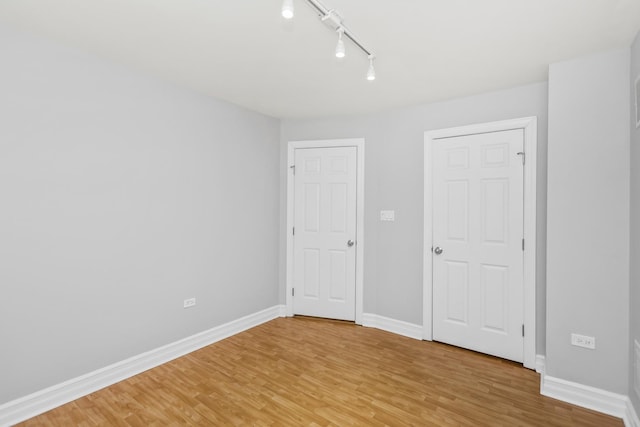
x=529, y=126
x=359, y=144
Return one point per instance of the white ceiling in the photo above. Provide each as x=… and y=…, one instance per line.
x=244, y=52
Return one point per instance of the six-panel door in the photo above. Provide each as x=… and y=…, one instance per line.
x=325, y=230
x=478, y=226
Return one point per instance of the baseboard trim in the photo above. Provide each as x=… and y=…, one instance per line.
x=282, y=310
x=44, y=400
x=398, y=327
x=585, y=396
x=631, y=416
x=540, y=363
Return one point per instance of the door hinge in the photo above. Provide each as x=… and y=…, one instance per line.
x=521, y=153
x=523, y=244
x=294, y=231
x=522, y=330
x=293, y=169
x=293, y=292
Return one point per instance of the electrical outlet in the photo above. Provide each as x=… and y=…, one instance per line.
x=583, y=341
x=387, y=215
x=189, y=302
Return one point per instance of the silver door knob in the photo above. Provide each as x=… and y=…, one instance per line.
x=437, y=250
x=350, y=243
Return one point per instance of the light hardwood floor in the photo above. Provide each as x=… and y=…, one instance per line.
x=314, y=372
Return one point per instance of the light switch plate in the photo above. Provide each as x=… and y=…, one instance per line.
x=387, y=215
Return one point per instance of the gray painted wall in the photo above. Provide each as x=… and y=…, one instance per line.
x=588, y=219
x=634, y=278
x=394, y=179
x=120, y=197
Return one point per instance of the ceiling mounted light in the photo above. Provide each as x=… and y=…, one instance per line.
x=371, y=72
x=340, y=50
x=287, y=9
x=333, y=19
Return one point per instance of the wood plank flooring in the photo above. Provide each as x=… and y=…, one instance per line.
x=314, y=372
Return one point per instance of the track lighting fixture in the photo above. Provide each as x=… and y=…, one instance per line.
x=371, y=72
x=334, y=20
x=287, y=9
x=340, y=50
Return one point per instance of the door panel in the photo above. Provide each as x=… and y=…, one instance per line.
x=311, y=273
x=325, y=221
x=457, y=288
x=495, y=293
x=338, y=277
x=478, y=224
x=311, y=207
x=457, y=210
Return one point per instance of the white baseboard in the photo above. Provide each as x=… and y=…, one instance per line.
x=282, y=310
x=617, y=405
x=391, y=325
x=631, y=416
x=44, y=400
x=586, y=396
x=540, y=363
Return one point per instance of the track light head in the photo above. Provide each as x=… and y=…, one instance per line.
x=340, y=49
x=371, y=72
x=287, y=9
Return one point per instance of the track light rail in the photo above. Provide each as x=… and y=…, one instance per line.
x=332, y=18
x=325, y=14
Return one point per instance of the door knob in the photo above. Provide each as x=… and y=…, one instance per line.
x=437, y=250
x=350, y=243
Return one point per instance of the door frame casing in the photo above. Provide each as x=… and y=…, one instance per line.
x=529, y=126
x=359, y=247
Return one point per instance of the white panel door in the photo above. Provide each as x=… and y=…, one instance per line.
x=324, y=264
x=477, y=242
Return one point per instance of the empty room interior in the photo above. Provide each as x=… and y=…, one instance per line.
x=320, y=212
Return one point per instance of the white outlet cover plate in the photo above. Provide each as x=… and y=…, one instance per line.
x=387, y=215
x=583, y=341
